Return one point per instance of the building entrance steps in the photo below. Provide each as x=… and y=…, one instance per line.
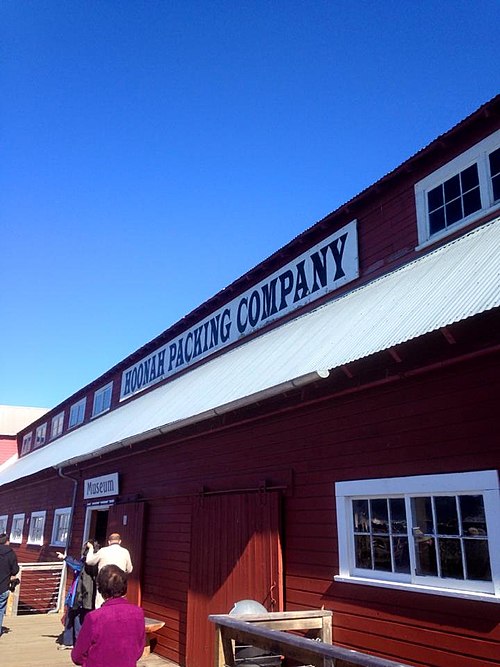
x=30, y=641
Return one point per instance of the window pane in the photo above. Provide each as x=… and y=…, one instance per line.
x=452, y=188
x=473, y=517
x=360, y=516
x=437, y=221
x=382, y=554
x=469, y=178
x=363, y=551
x=477, y=559
x=423, y=529
x=380, y=516
x=425, y=552
x=401, y=554
x=495, y=162
x=62, y=528
x=435, y=198
x=398, y=515
x=454, y=211
x=446, y=515
x=422, y=515
x=450, y=556
x=472, y=202
x=496, y=187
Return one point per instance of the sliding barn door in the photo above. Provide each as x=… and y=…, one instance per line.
x=235, y=555
x=128, y=520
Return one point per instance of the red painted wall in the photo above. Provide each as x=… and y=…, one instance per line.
x=8, y=447
x=444, y=420
x=441, y=421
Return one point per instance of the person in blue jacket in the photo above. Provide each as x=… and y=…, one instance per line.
x=80, y=598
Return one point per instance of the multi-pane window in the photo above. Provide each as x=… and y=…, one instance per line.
x=16, y=531
x=460, y=191
x=494, y=160
x=61, y=527
x=26, y=447
x=381, y=534
x=77, y=413
x=57, y=425
x=433, y=532
x=37, y=524
x=40, y=435
x=453, y=200
x=102, y=399
x=3, y=523
x=449, y=537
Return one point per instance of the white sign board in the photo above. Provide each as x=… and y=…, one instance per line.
x=98, y=487
x=319, y=270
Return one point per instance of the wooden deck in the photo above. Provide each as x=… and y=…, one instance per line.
x=31, y=642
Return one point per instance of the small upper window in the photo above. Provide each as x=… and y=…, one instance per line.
x=57, y=425
x=16, y=531
x=494, y=160
x=37, y=524
x=26, y=443
x=454, y=200
x=41, y=434
x=3, y=523
x=459, y=192
x=60, y=528
x=434, y=533
x=77, y=413
x=102, y=399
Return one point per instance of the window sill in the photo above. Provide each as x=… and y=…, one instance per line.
x=416, y=588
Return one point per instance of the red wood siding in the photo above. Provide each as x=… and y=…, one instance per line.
x=8, y=447
x=440, y=421
x=235, y=555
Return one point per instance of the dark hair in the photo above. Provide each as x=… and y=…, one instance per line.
x=3, y=538
x=112, y=582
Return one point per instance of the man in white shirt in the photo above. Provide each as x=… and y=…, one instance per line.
x=113, y=554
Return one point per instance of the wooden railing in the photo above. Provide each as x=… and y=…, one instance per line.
x=268, y=632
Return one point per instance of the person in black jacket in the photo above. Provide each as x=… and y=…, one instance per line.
x=8, y=570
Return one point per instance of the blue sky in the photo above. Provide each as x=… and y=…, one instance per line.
x=154, y=151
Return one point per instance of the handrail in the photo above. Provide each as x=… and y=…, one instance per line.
x=231, y=628
x=56, y=566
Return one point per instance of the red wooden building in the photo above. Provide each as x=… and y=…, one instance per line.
x=323, y=432
x=13, y=418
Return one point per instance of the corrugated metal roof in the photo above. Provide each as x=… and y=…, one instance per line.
x=13, y=418
x=450, y=284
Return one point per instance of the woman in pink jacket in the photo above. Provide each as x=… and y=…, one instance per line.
x=114, y=635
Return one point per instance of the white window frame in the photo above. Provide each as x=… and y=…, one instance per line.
x=4, y=519
x=485, y=483
x=77, y=408
x=40, y=435
x=56, y=425
x=58, y=514
x=27, y=442
x=36, y=539
x=14, y=538
x=102, y=400
x=478, y=154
